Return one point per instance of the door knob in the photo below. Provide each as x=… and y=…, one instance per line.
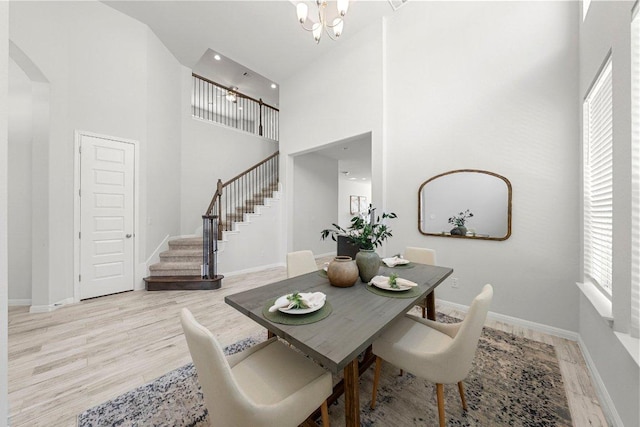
x=128, y=236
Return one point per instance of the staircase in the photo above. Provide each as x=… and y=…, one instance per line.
x=180, y=266
x=183, y=258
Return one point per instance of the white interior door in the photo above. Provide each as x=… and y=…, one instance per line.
x=106, y=216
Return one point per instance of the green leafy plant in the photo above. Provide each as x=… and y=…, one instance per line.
x=460, y=219
x=363, y=232
x=296, y=299
x=393, y=281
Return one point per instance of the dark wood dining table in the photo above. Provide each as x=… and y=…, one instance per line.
x=359, y=316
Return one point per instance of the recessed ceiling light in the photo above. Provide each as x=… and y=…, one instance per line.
x=273, y=86
x=216, y=57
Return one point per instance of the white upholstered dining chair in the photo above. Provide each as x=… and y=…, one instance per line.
x=438, y=352
x=268, y=384
x=421, y=256
x=300, y=262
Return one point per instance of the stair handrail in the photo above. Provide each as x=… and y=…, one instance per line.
x=236, y=196
x=220, y=185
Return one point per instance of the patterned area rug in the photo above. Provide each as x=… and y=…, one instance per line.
x=514, y=382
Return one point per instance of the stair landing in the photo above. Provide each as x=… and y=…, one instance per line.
x=182, y=283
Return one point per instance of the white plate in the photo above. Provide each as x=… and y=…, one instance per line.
x=399, y=261
x=283, y=299
x=387, y=287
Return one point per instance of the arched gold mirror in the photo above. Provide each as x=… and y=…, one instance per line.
x=465, y=203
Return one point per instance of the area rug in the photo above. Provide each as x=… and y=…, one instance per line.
x=514, y=382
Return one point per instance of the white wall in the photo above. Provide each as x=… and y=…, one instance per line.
x=97, y=85
x=315, y=202
x=466, y=85
x=211, y=152
x=480, y=86
x=162, y=152
x=337, y=106
x=20, y=136
x=256, y=244
x=607, y=27
x=4, y=55
x=346, y=189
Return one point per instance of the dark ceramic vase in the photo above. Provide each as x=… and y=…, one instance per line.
x=342, y=272
x=368, y=262
x=461, y=230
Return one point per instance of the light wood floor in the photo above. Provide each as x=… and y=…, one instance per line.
x=66, y=361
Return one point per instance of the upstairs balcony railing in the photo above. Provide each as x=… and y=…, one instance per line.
x=220, y=104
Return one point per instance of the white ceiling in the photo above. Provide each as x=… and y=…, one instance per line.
x=354, y=155
x=261, y=36
x=230, y=74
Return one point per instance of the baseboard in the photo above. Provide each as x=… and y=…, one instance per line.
x=550, y=330
x=142, y=271
x=254, y=269
x=606, y=403
x=325, y=255
x=50, y=307
x=18, y=302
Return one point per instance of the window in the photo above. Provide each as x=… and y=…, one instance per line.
x=598, y=183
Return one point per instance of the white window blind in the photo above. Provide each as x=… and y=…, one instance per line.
x=598, y=183
x=635, y=177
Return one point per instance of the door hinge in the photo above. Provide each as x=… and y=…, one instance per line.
x=79, y=234
x=79, y=278
x=79, y=193
x=80, y=149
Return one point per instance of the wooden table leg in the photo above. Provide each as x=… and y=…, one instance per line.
x=431, y=306
x=351, y=395
x=270, y=334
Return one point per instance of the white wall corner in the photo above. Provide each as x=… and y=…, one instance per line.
x=51, y=307
x=606, y=403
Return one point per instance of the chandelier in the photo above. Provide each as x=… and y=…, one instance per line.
x=333, y=29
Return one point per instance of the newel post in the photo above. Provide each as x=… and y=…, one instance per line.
x=260, y=126
x=219, y=193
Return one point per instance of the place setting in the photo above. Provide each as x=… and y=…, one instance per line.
x=393, y=287
x=396, y=262
x=297, y=308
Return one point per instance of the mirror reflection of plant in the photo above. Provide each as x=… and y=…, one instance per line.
x=361, y=232
x=460, y=219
